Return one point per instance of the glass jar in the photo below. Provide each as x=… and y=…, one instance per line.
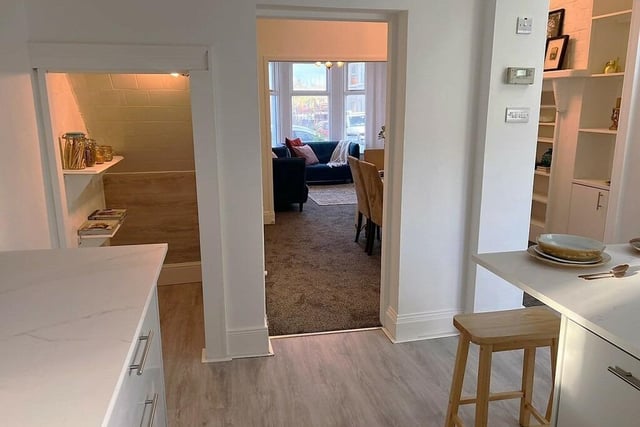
x=108, y=152
x=90, y=152
x=72, y=150
x=99, y=155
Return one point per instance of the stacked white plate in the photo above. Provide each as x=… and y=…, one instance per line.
x=570, y=250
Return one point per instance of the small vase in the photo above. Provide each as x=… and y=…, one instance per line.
x=545, y=160
x=611, y=67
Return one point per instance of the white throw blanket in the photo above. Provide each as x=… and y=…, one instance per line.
x=339, y=155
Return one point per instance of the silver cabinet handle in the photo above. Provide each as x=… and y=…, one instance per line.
x=154, y=404
x=598, y=205
x=145, y=352
x=625, y=376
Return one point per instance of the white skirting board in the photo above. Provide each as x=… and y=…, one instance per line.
x=178, y=273
x=244, y=343
x=418, y=326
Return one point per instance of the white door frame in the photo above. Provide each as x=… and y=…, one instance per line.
x=195, y=60
x=395, y=111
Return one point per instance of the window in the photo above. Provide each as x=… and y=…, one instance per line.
x=273, y=103
x=309, y=102
x=354, y=103
x=314, y=103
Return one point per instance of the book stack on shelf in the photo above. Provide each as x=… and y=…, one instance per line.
x=108, y=214
x=102, y=222
x=96, y=227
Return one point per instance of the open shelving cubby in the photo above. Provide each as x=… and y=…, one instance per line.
x=597, y=140
x=541, y=180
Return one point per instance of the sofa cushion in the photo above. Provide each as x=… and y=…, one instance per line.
x=306, y=153
x=290, y=143
x=281, y=151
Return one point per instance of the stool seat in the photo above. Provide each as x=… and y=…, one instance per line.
x=522, y=329
x=500, y=327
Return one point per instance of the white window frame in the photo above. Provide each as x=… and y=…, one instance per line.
x=374, y=92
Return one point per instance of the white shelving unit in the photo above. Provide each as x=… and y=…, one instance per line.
x=588, y=156
x=597, y=142
x=541, y=179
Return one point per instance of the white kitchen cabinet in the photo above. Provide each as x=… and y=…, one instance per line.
x=141, y=399
x=590, y=394
x=588, y=211
x=71, y=331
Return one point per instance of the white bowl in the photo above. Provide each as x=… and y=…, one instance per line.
x=635, y=243
x=571, y=247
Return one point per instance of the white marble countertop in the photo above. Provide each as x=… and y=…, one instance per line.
x=608, y=307
x=68, y=318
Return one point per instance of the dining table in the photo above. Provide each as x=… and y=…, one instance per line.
x=597, y=378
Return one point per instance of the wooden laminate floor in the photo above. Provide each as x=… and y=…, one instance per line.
x=347, y=379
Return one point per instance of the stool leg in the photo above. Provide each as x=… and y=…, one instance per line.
x=528, y=365
x=458, y=379
x=553, y=355
x=484, y=386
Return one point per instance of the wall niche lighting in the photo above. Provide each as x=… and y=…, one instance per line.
x=329, y=64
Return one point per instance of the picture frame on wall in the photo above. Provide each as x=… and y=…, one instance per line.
x=554, y=23
x=554, y=53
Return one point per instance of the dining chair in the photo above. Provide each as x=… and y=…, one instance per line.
x=375, y=156
x=374, y=189
x=361, y=194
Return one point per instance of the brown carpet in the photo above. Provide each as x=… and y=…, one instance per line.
x=318, y=278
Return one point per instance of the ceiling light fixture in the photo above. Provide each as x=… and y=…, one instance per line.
x=329, y=64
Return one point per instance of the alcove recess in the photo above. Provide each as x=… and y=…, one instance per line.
x=146, y=118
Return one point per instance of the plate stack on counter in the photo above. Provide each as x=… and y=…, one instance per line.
x=569, y=250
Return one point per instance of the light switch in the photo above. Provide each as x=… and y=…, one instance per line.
x=517, y=115
x=525, y=25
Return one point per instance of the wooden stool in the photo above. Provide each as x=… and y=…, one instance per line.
x=526, y=329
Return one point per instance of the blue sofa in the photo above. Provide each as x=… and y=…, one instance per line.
x=320, y=172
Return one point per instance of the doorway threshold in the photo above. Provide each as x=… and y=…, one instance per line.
x=310, y=334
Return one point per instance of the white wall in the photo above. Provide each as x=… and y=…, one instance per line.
x=426, y=231
x=322, y=40
x=504, y=172
x=23, y=213
x=577, y=24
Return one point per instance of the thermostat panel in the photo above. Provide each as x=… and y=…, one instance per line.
x=520, y=75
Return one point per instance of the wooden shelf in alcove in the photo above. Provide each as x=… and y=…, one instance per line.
x=94, y=170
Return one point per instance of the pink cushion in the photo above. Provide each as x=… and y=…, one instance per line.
x=307, y=153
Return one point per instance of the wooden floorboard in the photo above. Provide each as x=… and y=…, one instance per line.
x=347, y=379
